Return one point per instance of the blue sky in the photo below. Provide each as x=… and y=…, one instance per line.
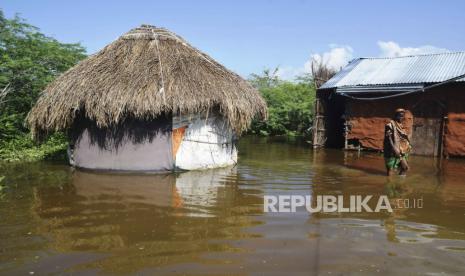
x=248, y=36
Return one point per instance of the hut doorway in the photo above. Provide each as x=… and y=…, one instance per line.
x=328, y=126
x=428, y=125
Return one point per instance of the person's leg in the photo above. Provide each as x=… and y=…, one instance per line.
x=389, y=162
x=402, y=172
x=403, y=165
x=388, y=172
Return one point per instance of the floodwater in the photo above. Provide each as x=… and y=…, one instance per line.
x=56, y=220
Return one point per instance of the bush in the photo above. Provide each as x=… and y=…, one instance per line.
x=290, y=105
x=29, y=60
x=23, y=148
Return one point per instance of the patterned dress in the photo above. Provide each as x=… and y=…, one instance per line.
x=401, y=141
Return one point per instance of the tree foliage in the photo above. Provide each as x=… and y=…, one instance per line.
x=29, y=60
x=290, y=104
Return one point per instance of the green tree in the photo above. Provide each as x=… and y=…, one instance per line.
x=29, y=60
x=268, y=78
x=290, y=104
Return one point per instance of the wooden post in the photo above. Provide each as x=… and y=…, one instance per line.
x=441, y=143
x=315, y=124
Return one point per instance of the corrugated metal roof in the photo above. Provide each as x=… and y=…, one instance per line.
x=379, y=88
x=419, y=69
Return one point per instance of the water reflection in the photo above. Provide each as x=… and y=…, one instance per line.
x=144, y=220
x=56, y=220
x=416, y=240
x=191, y=193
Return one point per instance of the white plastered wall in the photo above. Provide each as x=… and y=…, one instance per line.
x=208, y=142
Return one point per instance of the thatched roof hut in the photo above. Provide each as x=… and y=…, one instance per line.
x=143, y=73
x=146, y=73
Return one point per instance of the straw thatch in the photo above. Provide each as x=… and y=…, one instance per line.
x=146, y=72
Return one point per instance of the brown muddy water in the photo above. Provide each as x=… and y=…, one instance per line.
x=56, y=220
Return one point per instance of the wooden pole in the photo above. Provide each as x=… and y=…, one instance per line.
x=315, y=125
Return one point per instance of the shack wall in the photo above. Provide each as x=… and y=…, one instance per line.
x=182, y=142
x=367, y=119
x=138, y=146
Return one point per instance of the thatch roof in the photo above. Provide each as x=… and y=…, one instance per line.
x=144, y=73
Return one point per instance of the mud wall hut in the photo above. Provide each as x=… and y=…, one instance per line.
x=148, y=101
x=353, y=106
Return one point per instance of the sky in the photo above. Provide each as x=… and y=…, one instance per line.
x=250, y=36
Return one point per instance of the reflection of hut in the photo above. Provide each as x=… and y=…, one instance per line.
x=148, y=101
x=101, y=211
x=126, y=189
x=140, y=220
x=356, y=103
x=194, y=188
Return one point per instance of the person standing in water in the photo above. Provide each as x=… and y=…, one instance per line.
x=396, y=144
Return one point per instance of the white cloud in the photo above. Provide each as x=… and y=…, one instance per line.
x=339, y=55
x=289, y=72
x=336, y=58
x=393, y=49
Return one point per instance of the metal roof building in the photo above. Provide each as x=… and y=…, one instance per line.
x=353, y=107
x=398, y=73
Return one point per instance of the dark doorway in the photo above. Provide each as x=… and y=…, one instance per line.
x=335, y=122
